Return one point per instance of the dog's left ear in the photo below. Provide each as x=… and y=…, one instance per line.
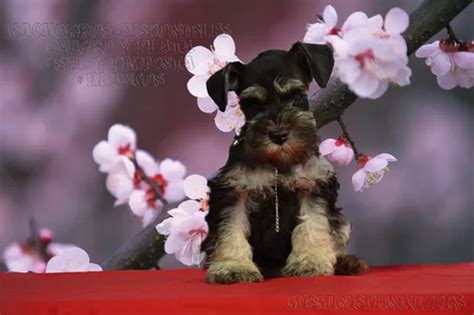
x=225, y=80
x=318, y=59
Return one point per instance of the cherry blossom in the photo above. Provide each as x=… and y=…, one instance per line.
x=202, y=63
x=186, y=227
x=369, y=53
x=370, y=170
x=453, y=64
x=315, y=33
x=23, y=257
x=114, y=153
x=337, y=150
x=185, y=230
x=71, y=260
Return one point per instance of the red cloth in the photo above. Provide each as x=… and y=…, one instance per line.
x=418, y=289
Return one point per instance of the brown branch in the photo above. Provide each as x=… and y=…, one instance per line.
x=143, y=251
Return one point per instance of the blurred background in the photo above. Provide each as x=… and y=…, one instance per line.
x=57, y=102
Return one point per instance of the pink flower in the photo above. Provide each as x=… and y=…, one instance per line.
x=370, y=170
x=195, y=187
x=316, y=32
x=337, y=150
x=185, y=230
x=71, y=260
x=114, y=153
x=369, y=53
x=451, y=65
x=203, y=63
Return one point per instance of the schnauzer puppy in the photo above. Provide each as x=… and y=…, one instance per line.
x=272, y=207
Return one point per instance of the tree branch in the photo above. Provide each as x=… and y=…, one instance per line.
x=143, y=251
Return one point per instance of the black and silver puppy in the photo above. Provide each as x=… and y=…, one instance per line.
x=272, y=208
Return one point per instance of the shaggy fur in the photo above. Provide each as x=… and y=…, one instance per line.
x=280, y=132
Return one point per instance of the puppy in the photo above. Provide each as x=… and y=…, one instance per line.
x=272, y=207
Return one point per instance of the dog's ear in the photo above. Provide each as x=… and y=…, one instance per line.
x=318, y=59
x=225, y=80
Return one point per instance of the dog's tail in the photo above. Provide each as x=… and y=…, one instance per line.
x=350, y=265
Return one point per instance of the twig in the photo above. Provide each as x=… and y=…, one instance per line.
x=327, y=105
x=149, y=181
x=451, y=34
x=35, y=240
x=348, y=137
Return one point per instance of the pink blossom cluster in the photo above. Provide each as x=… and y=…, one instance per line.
x=135, y=177
x=369, y=53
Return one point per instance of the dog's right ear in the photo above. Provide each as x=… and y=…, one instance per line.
x=225, y=80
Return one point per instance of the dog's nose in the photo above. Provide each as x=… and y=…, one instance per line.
x=278, y=136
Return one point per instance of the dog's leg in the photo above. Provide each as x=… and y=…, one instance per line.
x=231, y=261
x=346, y=264
x=313, y=250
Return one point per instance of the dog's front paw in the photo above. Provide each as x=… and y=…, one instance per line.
x=308, y=266
x=233, y=271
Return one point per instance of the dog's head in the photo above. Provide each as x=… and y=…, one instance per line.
x=273, y=90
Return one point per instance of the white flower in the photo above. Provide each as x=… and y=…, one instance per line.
x=22, y=258
x=451, y=66
x=337, y=150
x=186, y=229
x=203, y=63
x=371, y=170
x=71, y=260
x=369, y=53
x=167, y=176
x=114, y=152
x=316, y=32
x=145, y=205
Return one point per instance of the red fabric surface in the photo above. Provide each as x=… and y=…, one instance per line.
x=417, y=289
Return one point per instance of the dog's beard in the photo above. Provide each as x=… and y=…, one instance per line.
x=301, y=143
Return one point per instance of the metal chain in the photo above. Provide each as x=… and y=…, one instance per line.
x=277, y=212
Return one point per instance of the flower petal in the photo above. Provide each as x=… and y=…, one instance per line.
x=195, y=187
x=197, y=85
x=147, y=162
x=172, y=169
x=428, y=50
x=355, y=20
x=199, y=60
x=174, y=192
x=137, y=202
x=189, y=207
x=330, y=16
x=365, y=85
x=464, y=59
x=358, y=180
x=175, y=242
x=383, y=86
x=206, y=105
x=224, y=47
x=342, y=155
x=375, y=165
x=386, y=156
x=93, y=268
x=72, y=260
x=327, y=146
x=441, y=64
x=232, y=118
x=447, y=81
x=315, y=34
x=120, y=186
x=121, y=135
x=105, y=155
x=150, y=215
x=396, y=21
x=164, y=227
